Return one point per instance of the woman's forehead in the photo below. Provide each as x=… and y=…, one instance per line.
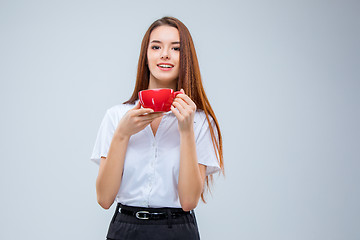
x=165, y=34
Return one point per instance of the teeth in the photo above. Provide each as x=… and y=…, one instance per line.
x=165, y=66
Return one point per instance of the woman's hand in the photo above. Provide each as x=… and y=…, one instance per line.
x=184, y=109
x=135, y=120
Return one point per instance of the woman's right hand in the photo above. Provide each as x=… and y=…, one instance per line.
x=135, y=120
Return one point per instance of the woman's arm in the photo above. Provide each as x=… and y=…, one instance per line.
x=110, y=171
x=111, y=168
x=191, y=174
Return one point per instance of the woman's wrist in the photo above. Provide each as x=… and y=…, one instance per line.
x=187, y=133
x=121, y=136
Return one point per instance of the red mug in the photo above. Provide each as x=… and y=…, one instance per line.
x=159, y=100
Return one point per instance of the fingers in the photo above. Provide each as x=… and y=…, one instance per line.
x=150, y=117
x=143, y=111
x=138, y=105
x=179, y=107
x=175, y=112
x=186, y=99
x=183, y=106
x=137, y=110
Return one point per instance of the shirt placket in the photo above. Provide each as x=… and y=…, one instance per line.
x=154, y=158
x=151, y=179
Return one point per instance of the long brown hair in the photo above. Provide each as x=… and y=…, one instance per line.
x=189, y=80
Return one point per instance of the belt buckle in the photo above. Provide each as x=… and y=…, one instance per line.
x=144, y=217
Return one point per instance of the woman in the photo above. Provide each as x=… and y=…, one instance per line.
x=155, y=165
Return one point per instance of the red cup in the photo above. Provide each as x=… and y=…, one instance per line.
x=159, y=100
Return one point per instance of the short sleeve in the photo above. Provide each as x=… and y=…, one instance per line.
x=204, y=148
x=104, y=138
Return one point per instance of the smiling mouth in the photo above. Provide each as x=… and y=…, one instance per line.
x=165, y=65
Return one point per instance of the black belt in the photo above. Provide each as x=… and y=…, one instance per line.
x=145, y=214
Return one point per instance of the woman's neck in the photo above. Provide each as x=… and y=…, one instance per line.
x=153, y=84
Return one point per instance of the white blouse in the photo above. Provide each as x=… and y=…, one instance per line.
x=151, y=167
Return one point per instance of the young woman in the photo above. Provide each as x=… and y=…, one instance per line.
x=157, y=165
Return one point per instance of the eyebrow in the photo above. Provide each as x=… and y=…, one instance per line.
x=157, y=41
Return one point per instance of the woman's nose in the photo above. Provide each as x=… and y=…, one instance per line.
x=165, y=55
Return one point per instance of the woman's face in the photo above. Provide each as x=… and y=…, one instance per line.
x=163, y=55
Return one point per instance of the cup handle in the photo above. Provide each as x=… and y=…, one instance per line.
x=176, y=93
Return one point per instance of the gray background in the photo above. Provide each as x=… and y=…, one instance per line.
x=282, y=76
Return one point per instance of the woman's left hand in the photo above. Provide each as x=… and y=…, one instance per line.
x=184, y=109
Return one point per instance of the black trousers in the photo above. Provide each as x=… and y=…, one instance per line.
x=126, y=227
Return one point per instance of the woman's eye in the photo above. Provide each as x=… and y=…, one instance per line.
x=155, y=47
x=176, y=48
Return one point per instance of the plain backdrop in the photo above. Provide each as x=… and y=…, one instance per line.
x=283, y=79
